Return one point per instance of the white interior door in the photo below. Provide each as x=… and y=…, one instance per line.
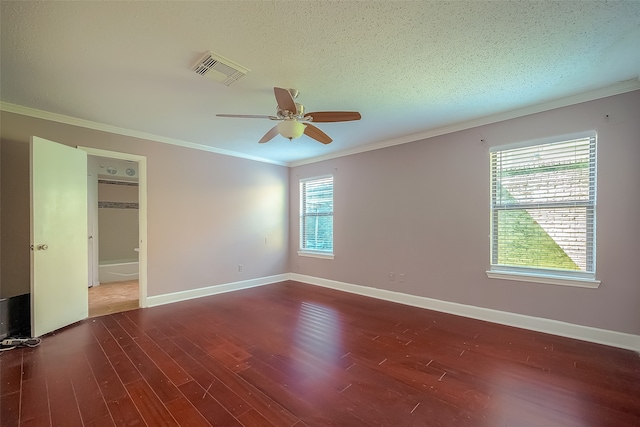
x=89, y=241
x=59, y=293
x=91, y=207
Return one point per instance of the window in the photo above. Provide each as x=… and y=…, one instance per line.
x=543, y=205
x=316, y=216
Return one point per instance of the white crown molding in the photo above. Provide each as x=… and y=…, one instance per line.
x=68, y=120
x=555, y=327
x=617, y=89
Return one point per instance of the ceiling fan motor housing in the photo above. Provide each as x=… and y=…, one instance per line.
x=298, y=114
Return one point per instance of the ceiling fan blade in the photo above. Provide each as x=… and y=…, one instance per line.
x=284, y=99
x=334, y=116
x=248, y=116
x=313, y=132
x=269, y=135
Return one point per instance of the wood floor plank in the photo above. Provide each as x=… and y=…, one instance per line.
x=384, y=400
x=34, y=408
x=10, y=371
x=228, y=359
x=104, y=337
x=62, y=399
x=124, y=368
x=256, y=399
x=289, y=354
x=183, y=410
x=314, y=402
x=124, y=412
x=104, y=421
x=227, y=398
x=303, y=370
x=10, y=409
x=187, y=346
x=275, y=385
x=163, y=387
x=119, y=335
x=252, y=418
x=209, y=407
x=90, y=400
x=149, y=405
x=34, y=398
x=108, y=381
x=164, y=362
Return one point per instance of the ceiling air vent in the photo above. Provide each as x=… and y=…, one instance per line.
x=219, y=69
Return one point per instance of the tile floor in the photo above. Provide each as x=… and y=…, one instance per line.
x=108, y=298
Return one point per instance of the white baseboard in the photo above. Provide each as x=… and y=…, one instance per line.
x=555, y=327
x=213, y=290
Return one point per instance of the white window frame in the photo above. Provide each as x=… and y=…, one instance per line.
x=315, y=253
x=584, y=279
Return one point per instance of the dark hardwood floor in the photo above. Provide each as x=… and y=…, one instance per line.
x=298, y=355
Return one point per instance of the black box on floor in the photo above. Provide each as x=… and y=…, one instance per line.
x=15, y=316
x=4, y=318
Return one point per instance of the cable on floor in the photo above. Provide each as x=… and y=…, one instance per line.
x=11, y=343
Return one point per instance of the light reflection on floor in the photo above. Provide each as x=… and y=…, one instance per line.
x=317, y=342
x=517, y=396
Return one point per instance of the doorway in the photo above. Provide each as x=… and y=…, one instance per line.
x=113, y=297
x=117, y=204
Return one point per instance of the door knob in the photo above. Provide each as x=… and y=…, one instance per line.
x=42, y=247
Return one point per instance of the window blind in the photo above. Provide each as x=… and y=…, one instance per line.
x=316, y=214
x=543, y=200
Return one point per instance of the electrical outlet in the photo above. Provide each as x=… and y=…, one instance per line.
x=401, y=277
x=392, y=276
x=239, y=268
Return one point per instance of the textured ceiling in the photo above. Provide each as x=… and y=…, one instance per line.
x=408, y=67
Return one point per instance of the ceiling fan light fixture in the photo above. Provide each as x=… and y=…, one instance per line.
x=291, y=129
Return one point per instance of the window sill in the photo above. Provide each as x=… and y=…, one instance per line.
x=322, y=255
x=544, y=278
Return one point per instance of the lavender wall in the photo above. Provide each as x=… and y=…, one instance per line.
x=14, y=222
x=207, y=213
x=422, y=209
x=418, y=209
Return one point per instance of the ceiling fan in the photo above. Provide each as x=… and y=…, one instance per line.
x=294, y=121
